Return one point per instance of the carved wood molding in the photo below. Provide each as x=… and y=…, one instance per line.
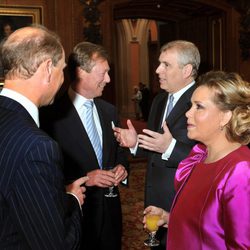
x=92, y=19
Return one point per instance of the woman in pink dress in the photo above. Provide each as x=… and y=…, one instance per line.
x=211, y=210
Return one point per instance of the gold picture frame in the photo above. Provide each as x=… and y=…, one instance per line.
x=16, y=17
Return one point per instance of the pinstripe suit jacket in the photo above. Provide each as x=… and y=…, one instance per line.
x=35, y=212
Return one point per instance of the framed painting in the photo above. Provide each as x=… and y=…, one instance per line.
x=15, y=17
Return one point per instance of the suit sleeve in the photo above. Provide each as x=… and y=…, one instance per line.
x=44, y=213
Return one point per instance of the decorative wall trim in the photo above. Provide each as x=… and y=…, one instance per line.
x=92, y=19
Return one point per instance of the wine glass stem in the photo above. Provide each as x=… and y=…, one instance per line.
x=152, y=236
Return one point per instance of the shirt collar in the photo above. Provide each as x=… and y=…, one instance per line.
x=179, y=93
x=76, y=99
x=24, y=101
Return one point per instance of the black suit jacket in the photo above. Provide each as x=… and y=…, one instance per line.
x=63, y=123
x=35, y=212
x=159, y=189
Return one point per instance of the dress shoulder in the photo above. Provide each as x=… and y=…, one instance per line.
x=197, y=155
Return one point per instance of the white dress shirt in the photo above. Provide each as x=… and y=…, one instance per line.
x=78, y=101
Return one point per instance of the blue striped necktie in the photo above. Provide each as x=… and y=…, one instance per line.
x=92, y=130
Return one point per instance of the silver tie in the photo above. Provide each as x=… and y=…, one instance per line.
x=170, y=105
x=92, y=130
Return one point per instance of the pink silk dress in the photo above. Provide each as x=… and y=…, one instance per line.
x=211, y=210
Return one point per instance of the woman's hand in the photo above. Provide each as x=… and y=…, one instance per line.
x=164, y=215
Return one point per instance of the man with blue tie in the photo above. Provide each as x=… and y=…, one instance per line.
x=165, y=142
x=82, y=125
x=35, y=210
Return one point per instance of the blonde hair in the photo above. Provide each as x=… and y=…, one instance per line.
x=231, y=93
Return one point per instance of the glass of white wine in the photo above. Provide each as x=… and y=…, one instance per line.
x=111, y=193
x=152, y=227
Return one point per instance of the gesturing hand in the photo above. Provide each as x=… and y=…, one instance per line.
x=155, y=141
x=126, y=137
x=78, y=189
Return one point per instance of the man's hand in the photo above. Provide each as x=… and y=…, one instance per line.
x=120, y=174
x=101, y=178
x=126, y=137
x=78, y=189
x=155, y=141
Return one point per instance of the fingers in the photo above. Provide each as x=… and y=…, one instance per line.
x=101, y=178
x=81, y=181
x=150, y=133
x=130, y=125
x=147, y=210
x=121, y=176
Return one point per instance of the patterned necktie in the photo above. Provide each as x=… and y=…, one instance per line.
x=170, y=105
x=91, y=129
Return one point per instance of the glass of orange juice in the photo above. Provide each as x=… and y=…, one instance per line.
x=151, y=225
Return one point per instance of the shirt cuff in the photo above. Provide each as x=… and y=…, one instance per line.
x=134, y=149
x=165, y=156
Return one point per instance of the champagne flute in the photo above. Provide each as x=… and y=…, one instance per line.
x=151, y=225
x=111, y=192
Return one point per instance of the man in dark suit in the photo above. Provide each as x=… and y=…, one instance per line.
x=165, y=141
x=88, y=68
x=35, y=211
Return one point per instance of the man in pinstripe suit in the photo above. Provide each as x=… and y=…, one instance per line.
x=35, y=211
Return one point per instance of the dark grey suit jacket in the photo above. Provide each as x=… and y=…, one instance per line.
x=35, y=212
x=63, y=123
x=159, y=189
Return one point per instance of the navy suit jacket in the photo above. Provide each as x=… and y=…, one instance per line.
x=160, y=175
x=63, y=123
x=35, y=212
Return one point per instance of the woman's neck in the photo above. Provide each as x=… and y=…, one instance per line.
x=219, y=151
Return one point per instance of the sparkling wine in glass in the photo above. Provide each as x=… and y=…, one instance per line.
x=151, y=225
x=111, y=193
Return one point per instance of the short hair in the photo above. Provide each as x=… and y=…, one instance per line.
x=232, y=93
x=28, y=47
x=84, y=55
x=188, y=53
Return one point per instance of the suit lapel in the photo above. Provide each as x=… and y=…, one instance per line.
x=74, y=128
x=181, y=106
x=160, y=112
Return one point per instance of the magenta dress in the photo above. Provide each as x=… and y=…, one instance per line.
x=211, y=210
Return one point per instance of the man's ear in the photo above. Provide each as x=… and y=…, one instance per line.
x=48, y=69
x=187, y=70
x=80, y=72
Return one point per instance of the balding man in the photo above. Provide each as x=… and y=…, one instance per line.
x=35, y=211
